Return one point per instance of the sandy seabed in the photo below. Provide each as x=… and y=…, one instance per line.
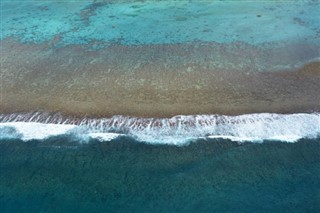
x=156, y=80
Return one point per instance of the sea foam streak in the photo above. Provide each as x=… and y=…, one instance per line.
x=177, y=130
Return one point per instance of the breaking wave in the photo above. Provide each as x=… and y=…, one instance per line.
x=178, y=130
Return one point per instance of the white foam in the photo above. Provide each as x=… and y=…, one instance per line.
x=250, y=127
x=177, y=130
x=39, y=131
x=234, y=138
x=33, y=130
x=104, y=136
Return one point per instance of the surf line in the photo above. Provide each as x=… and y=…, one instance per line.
x=176, y=130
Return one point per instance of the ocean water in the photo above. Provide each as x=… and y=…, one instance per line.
x=158, y=105
x=215, y=175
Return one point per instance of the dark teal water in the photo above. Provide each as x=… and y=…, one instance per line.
x=59, y=175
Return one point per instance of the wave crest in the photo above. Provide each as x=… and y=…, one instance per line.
x=177, y=130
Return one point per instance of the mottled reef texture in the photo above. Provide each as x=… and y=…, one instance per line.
x=157, y=80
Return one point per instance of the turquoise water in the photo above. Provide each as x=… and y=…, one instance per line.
x=59, y=175
x=160, y=22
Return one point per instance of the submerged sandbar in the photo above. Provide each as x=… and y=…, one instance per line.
x=153, y=80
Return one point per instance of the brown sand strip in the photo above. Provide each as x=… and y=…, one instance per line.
x=150, y=81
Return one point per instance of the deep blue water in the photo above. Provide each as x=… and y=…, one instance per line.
x=61, y=175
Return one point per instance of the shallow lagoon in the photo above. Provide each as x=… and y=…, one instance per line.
x=161, y=22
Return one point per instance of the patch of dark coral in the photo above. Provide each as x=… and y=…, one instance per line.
x=90, y=10
x=299, y=21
